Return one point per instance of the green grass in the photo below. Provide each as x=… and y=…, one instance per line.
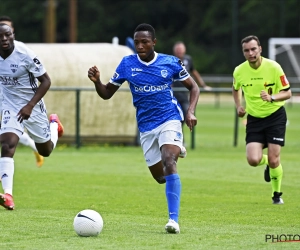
x=225, y=204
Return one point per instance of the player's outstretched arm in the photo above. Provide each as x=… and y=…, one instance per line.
x=104, y=91
x=200, y=81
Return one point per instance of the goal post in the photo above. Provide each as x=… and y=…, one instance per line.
x=286, y=51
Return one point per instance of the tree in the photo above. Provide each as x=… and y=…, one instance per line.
x=204, y=25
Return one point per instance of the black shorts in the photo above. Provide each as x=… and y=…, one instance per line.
x=270, y=129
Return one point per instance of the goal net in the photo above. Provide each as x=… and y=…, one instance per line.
x=286, y=51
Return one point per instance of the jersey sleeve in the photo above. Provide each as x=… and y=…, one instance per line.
x=120, y=74
x=236, y=83
x=281, y=80
x=34, y=64
x=181, y=73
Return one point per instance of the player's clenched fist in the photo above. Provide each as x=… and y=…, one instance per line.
x=94, y=74
x=241, y=111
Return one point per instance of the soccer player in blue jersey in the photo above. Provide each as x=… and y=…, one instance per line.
x=159, y=116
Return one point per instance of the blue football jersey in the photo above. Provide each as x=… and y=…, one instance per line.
x=150, y=85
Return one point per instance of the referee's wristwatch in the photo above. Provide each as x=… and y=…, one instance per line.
x=273, y=98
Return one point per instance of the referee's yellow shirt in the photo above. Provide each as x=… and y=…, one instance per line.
x=269, y=77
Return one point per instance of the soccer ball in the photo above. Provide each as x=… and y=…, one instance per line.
x=88, y=223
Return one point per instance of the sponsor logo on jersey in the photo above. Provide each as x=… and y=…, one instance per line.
x=135, y=71
x=38, y=64
x=181, y=63
x=115, y=76
x=149, y=88
x=164, y=73
x=9, y=80
x=37, y=61
x=183, y=73
x=284, y=81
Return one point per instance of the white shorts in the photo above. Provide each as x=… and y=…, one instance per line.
x=168, y=133
x=37, y=126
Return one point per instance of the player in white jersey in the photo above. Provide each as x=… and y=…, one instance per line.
x=150, y=76
x=22, y=107
x=25, y=138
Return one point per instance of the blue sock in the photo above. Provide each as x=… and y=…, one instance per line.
x=173, y=190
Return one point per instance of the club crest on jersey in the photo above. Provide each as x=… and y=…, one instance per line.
x=178, y=136
x=14, y=67
x=6, y=119
x=164, y=73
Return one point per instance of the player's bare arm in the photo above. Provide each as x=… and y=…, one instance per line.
x=44, y=86
x=237, y=96
x=281, y=96
x=191, y=85
x=104, y=91
x=200, y=80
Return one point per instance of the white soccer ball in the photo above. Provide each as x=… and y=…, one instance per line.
x=88, y=223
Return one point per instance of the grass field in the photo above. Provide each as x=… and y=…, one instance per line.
x=225, y=204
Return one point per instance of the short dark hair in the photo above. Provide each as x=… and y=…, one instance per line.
x=249, y=38
x=6, y=18
x=145, y=27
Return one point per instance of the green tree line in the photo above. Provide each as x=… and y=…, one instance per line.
x=211, y=29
